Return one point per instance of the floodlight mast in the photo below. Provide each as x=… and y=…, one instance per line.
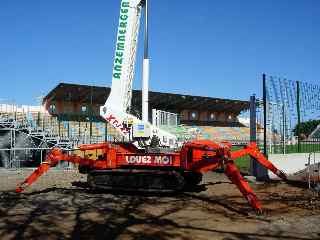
x=117, y=107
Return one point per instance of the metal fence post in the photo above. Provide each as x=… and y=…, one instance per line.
x=283, y=129
x=262, y=172
x=264, y=91
x=253, y=132
x=298, y=114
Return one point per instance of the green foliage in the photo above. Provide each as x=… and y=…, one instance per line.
x=243, y=163
x=305, y=147
x=306, y=128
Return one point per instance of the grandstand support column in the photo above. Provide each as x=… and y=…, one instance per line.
x=90, y=131
x=43, y=122
x=12, y=157
x=79, y=127
x=9, y=163
x=38, y=119
x=91, y=113
x=106, y=132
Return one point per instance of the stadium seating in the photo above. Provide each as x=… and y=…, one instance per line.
x=211, y=133
x=81, y=130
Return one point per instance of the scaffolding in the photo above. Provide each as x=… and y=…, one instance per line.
x=27, y=133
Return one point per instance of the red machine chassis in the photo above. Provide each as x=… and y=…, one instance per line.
x=195, y=156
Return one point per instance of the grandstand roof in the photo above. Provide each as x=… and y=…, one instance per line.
x=163, y=101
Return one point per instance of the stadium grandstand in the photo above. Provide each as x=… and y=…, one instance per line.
x=200, y=117
x=70, y=116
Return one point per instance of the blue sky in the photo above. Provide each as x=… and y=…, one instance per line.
x=205, y=47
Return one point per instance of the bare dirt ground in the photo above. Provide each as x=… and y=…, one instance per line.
x=54, y=208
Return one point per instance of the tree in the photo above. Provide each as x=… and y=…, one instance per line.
x=306, y=128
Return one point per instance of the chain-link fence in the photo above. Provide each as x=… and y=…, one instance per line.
x=292, y=115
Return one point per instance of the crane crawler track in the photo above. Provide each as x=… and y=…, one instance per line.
x=136, y=180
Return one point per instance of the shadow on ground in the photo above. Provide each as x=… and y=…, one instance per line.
x=62, y=213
